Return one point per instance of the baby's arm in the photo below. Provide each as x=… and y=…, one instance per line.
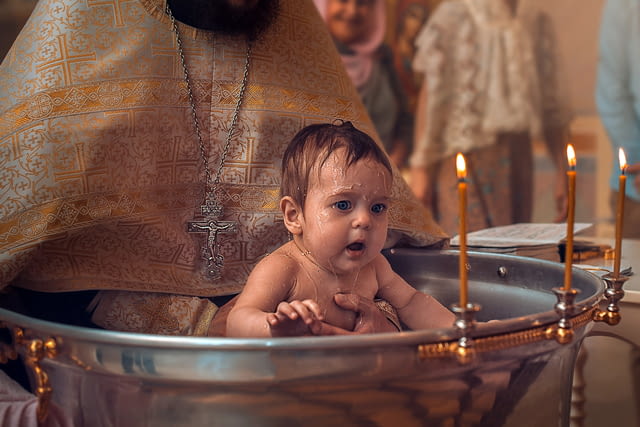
x=262, y=310
x=416, y=309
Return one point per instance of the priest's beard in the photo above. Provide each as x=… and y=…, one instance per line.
x=222, y=16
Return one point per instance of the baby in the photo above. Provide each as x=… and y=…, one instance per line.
x=336, y=185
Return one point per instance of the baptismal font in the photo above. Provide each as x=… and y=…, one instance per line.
x=493, y=366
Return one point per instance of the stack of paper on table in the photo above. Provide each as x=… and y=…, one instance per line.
x=605, y=268
x=536, y=240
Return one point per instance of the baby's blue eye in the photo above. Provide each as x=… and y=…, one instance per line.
x=378, y=208
x=343, y=205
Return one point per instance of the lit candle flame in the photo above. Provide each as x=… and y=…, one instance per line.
x=623, y=160
x=571, y=156
x=461, y=166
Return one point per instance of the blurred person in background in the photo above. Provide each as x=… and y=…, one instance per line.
x=489, y=90
x=618, y=100
x=412, y=17
x=358, y=30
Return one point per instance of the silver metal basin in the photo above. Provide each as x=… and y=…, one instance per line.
x=519, y=375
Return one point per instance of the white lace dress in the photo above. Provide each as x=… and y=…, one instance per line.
x=490, y=84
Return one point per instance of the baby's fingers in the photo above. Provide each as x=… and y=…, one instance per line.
x=273, y=319
x=314, y=308
x=286, y=310
x=303, y=310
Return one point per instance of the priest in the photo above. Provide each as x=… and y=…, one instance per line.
x=140, y=144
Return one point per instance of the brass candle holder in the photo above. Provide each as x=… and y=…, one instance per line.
x=465, y=322
x=565, y=307
x=613, y=294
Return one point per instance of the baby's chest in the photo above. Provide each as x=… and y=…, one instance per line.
x=325, y=293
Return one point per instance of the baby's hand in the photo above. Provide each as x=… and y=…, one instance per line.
x=296, y=318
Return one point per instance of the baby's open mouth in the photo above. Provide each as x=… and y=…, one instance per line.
x=357, y=246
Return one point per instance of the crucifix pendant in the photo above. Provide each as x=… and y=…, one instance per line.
x=212, y=225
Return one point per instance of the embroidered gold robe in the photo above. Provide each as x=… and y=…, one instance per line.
x=100, y=168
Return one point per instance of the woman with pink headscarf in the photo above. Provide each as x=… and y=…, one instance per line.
x=358, y=29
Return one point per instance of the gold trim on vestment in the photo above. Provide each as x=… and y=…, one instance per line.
x=389, y=312
x=114, y=95
x=204, y=321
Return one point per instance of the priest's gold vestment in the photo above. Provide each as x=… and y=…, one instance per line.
x=100, y=167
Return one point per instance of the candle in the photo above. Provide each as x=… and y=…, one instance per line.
x=571, y=205
x=622, y=179
x=462, y=203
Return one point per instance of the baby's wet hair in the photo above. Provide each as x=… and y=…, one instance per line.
x=311, y=147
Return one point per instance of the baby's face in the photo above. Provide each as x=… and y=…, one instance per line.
x=345, y=213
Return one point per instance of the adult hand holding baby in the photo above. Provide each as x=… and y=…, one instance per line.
x=369, y=317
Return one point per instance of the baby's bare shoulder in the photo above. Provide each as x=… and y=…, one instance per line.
x=281, y=258
x=381, y=265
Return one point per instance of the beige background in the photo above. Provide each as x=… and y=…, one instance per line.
x=577, y=24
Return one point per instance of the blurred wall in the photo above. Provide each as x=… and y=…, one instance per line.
x=577, y=25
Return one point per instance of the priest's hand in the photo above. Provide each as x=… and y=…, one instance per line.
x=369, y=318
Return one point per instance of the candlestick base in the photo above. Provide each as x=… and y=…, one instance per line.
x=465, y=323
x=565, y=308
x=613, y=293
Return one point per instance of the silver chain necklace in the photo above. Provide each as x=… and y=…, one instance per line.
x=211, y=209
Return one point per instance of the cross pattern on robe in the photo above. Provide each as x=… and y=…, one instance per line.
x=212, y=225
x=117, y=9
x=65, y=59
